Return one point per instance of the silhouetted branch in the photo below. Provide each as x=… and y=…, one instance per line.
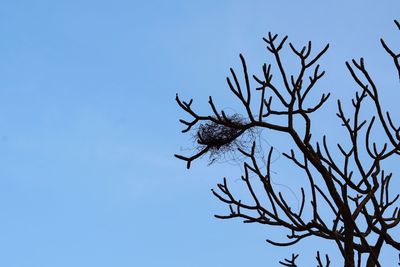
x=320, y=264
x=290, y=262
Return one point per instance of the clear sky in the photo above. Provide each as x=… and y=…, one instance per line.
x=88, y=123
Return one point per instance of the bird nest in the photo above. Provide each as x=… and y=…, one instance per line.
x=223, y=141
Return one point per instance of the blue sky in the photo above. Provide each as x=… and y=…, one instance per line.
x=88, y=123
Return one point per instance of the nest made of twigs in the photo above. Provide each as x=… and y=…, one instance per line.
x=221, y=139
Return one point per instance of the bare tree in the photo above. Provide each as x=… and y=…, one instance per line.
x=354, y=185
